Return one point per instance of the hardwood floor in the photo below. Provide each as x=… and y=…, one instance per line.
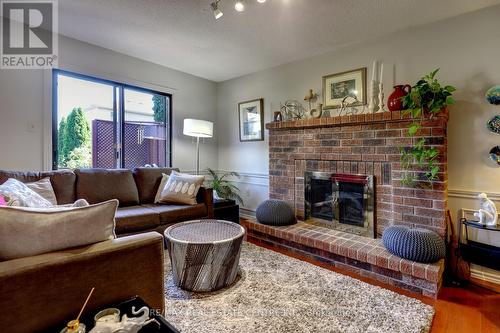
x=468, y=309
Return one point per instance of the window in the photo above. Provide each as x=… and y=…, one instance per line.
x=104, y=124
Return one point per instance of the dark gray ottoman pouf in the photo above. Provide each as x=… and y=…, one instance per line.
x=414, y=244
x=275, y=212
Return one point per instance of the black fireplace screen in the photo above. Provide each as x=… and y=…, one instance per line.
x=345, y=201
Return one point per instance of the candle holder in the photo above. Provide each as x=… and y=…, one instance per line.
x=381, y=106
x=373, y=105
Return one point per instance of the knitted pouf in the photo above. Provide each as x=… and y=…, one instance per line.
x=414, y=244
x=275, y=212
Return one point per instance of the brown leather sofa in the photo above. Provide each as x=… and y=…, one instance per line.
x=43, y=292
x=135, y=190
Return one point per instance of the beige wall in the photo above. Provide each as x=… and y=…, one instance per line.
x=25, y=104
x=466, y=49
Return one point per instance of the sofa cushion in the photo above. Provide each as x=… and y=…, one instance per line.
x=97, y=185
x=148, y=180
x=135, y=218
x=178, y=213
x=44, y=188
x=29, y=231
x=63, y=182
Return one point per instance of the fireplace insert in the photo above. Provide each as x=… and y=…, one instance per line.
x=341, y=201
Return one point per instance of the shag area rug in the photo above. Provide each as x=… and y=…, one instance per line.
x=277, y=293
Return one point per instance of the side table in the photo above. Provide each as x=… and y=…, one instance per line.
x=226, y=209
x=476, y=252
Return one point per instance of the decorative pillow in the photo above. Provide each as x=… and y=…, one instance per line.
x=21, y=195
x=28, y=231
x=181, y=188
x=164, y=180
x=44, y=188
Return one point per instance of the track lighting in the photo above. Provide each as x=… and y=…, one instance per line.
x=239, y=6
x=215, y=8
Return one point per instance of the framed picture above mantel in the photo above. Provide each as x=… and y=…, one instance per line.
x=251, y=118
x=338, y=86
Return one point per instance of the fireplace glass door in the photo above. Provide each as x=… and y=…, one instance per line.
x=351, y=205
x=341, y=201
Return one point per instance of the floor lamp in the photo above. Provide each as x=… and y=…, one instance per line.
x=199, y=129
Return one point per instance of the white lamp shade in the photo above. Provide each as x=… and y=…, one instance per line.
x=198, y=128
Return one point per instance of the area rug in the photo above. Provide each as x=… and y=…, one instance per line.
x=276, y=293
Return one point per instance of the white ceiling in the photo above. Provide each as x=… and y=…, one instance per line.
x=183, y=34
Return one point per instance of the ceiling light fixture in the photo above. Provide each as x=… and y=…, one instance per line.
x=217, y=12
x=239, y=6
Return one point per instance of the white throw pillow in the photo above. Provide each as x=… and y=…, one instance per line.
x=181, y=188
x=20, y=194
x=30, y=231
x=163, y=182
x=44, y=188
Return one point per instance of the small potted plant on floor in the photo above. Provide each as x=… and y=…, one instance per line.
x=426, y=99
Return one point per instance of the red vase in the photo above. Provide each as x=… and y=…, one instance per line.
x=394, y=102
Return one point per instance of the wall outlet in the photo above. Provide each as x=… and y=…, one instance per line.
x=32, y=127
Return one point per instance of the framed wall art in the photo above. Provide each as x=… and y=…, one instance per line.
x=251, y=118
x=337, y=86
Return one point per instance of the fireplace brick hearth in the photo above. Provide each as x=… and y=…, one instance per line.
x=360, y=255
x=368, y=144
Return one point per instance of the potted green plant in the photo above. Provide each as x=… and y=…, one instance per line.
x=427, y=98
x=223, y=188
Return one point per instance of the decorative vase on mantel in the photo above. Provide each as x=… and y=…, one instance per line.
x=395, y=102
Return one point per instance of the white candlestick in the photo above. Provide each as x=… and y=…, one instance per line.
x=373, y=70
x=381, y=105
x=381, y=72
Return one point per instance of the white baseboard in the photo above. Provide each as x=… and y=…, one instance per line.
x=485, y=274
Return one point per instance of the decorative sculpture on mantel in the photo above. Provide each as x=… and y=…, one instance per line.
x=347, y=104
x=292, y=110
x=487, y=213
x=312, y=98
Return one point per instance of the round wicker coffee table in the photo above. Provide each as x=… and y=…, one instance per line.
x=204, y=253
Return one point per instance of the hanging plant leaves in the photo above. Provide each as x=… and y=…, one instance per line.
x=427, y=94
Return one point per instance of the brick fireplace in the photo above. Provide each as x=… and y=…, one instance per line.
x=361, y=144
x=368, y=145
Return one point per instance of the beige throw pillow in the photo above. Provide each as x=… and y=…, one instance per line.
x=30, y=231
x=19, y=194
x=163, y=182
x=44, y=188
x=181, y=188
